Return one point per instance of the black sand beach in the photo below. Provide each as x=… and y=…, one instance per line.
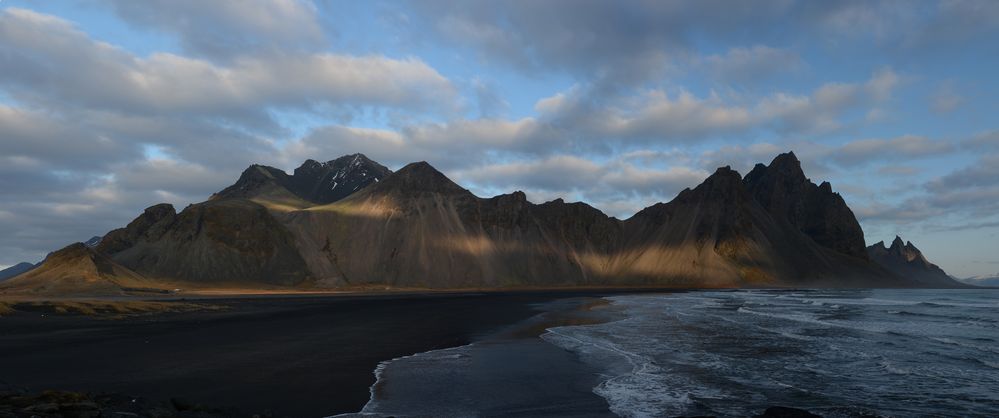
x=512, y=372
x=292, y=356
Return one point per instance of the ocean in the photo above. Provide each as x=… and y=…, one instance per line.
x=725, y=353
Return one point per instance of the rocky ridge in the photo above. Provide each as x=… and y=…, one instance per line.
x=416, y=228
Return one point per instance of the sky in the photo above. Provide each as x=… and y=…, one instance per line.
x=110, y=106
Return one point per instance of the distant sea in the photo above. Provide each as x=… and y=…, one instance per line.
x=726, y=353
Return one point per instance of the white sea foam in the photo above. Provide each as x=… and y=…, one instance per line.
x=735, y=353
x=643, y=388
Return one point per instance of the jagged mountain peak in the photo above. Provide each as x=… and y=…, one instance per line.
x=787, y=167
x=726, y=174
x=724, y=184
x=904, y=259
x=517, y=196
x=309, y=164
x=313, y=181
x=905, y=250
x=897, y=242
x=349, y=160
x=254, y=180
x=783, y=190
x=419, y=177
x=786, y=160
x=787, y=157
x=335, y=179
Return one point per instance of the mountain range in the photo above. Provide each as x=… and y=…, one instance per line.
x=984, y=280
x=14, y=270
x=351, y=223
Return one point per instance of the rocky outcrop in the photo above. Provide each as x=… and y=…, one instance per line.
x=784, y=191
x=905, y=260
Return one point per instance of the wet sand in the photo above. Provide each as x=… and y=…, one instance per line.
x=512, y=372
x=292, y=356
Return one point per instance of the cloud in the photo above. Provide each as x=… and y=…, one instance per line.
x=616, y=186
x=971, y=192
x=654, y=115
x=826, y=108
x=573, y=121
x=490, y=103
x=906, y=147
x=46, y=210
x=557, y=173
x=224, y=29
x=744, y=65
x=982, y=173
x=741, y=158
x=987, y=140
x=913, y=26
x=48, y=141
x=112, y=104
x=945, y=99
x=898, y=170
x=456, y=144
x=37, y=49
x=616, y=45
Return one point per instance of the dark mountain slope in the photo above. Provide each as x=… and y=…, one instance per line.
x=783, y=190
x=228, y=241
x=417, y=228
x=718, y=235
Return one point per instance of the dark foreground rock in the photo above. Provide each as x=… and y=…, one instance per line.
x=18, y=403
x=785, y=412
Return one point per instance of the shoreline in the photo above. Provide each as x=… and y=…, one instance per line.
x=535, y=376
x=293, y=355
x=236, y=293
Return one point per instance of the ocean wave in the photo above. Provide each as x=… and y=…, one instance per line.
x=732, y=353
x=643, y=388
x=805, y=318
